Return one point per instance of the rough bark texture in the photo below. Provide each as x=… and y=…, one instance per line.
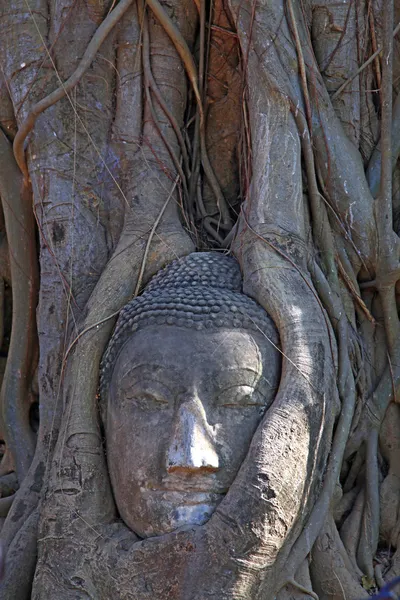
x=253, y=127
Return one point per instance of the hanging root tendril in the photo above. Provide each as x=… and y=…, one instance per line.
x=28, y=124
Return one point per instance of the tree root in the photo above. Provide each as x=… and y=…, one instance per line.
x=355, y=294
x=389, y=442
x=26, y=127
x=15, y=390
x=345, y=504
x=374, y=165
x=181, y=47
x=331, y=569
x=369, y=532
x=302, y=589
x=303, y=545
x=350, y=530
x=385, y=209
x=380, y=582
x=187, y=59
x=363, y=66
x=382, y=281
x=20, y=562
x=150, y=84
x=150, y=239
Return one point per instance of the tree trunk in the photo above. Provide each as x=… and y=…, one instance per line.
x=134, y=133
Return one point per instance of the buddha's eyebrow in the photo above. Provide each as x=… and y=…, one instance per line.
x=233, y=376
x=151, y=368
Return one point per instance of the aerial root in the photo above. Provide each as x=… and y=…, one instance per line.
x=26, y=127
x=302, y=589
x=15, y=390
x=354, y=293
x=186, y=56
x=366, y=545
x=149, y=240
x=383, y=281
x=369, y=532
x=380, y=582
x=363, y=66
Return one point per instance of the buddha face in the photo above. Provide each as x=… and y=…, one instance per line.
x=183, y=406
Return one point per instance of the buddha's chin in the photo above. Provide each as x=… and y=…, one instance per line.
x=160, y=512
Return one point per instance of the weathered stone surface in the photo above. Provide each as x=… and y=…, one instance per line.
x=182, y=403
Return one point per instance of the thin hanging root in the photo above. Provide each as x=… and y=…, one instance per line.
x=150, y=238
x=156, y=91
x=302, y=589
x=357, y=298
x=206, y=220
x=369, y=533
x=302, y=66
x=364, y=66
x=147, y=76
x=101, y=33
x=208, y=170
x=89, y=328
x=186, y=56
x=152, y=84
x=374, y=45
x=181, y=47
x=172, y=154
x=139, y=280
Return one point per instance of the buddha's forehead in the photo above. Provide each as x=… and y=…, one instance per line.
x=199, y=293
x=187, y=351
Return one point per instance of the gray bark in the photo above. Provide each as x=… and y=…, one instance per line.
x=231, y=116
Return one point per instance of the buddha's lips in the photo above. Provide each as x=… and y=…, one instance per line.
x=192, y=484
x=189, y=496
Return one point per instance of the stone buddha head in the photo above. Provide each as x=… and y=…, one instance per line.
x=188, y=374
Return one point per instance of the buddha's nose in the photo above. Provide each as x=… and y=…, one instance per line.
x=191, y=449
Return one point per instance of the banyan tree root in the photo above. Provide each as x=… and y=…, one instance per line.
x=192, y=73
x=389, y=527
x=331, y=570
x=15, y=395
x=26, y=127
x=271, y=277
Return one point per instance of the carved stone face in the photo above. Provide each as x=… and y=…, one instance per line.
x=183, y=407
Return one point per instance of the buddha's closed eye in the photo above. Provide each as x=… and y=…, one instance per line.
x=149, y=395
x=241, y=395
x=153, y=395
